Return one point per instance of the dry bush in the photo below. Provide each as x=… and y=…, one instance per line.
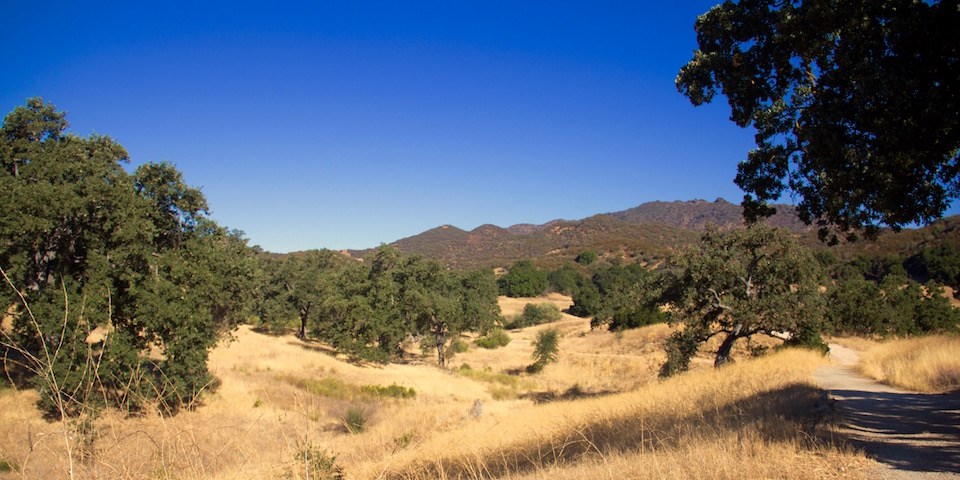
x=925, y=364
x=761, y=408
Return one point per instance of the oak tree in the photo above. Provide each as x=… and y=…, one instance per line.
x=855, y=104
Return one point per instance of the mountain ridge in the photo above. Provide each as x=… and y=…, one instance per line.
x=646, y=231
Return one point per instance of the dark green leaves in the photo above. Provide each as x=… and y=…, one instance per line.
x=856, y=104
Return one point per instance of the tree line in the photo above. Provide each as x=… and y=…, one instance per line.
x=117, y=285
x=369, y=309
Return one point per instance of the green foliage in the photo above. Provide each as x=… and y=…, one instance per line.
x=495, y=339
x=545, y=349
x=940, y=263
x=393, y=391
x=89, y=245
x=627, y=297
x=318, y=464
x=355, y=420
x=566, y=279
x=523, y=280
x=586, y=257
x=536, y=314
x=738, y=284
x=586, y=299
x=854, y=104
x=459, y=346
x=681, y=348
x=489, y=376
x=895, y=306
x=6, y=466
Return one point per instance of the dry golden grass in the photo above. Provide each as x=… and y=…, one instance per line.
x=267, y=412
x=925, y=364
x=705, y=424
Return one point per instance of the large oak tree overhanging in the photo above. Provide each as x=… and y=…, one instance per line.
x=856, y=105
x=84, y=244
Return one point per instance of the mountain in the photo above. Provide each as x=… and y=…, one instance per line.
x=697, y=214
x=551, y=244
x=647, y=232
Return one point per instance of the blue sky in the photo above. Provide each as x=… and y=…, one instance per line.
x=347, y=124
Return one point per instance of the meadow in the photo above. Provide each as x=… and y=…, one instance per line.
x=288, y=408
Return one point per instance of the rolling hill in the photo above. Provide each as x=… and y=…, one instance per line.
x=642, y=233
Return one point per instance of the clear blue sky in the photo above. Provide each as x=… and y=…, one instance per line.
x=347, y=124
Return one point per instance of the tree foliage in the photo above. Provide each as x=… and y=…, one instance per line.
x=86, y=246
x=627, y=297
x=545, y=349
x=855, y=103
x=523, y=280
x=535, y=314
x=894, y=306
x=738, y=284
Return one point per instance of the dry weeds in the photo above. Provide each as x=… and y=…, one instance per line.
x=264, y=416
x=705, y=424
x=924, y=364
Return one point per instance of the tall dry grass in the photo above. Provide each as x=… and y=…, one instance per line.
x=752, y=420
x=925, y=364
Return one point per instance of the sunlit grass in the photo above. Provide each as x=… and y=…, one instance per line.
x=926, y=364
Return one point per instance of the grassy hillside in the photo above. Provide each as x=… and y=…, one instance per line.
x=285, y=408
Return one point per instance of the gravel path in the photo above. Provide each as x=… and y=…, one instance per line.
x=912, y=435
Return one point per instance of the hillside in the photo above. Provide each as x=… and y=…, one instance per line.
x=551, y=244
x=643, y=233
x=697, y=214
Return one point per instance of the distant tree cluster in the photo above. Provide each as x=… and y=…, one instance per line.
x=524, y=279
x=100, y=266
x=370, y=309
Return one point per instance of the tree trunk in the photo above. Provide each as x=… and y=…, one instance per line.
x=304, y=314
x=723, y=353
x=438, y=331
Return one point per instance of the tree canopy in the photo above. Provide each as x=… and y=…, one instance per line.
x=87, y=247
x=738, y=284
x=856, y=105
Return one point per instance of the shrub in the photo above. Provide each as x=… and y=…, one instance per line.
x=545, y=349
x=393, y=390
x=320, y=464
x=459, y=346
x=354, y=420
x=495, y=339
x=536, y=314
x=586, y=257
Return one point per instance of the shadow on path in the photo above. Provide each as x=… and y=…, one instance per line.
x=907, y=431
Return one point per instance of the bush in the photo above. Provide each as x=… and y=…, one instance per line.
x=545, y=349
x=459, y=346
x=355, y=420
x=393, y=390
x=495, y=339
x=586, y=257
x=320, y=464
x=536, y=314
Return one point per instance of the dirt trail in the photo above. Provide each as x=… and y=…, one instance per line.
x=912, y=435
